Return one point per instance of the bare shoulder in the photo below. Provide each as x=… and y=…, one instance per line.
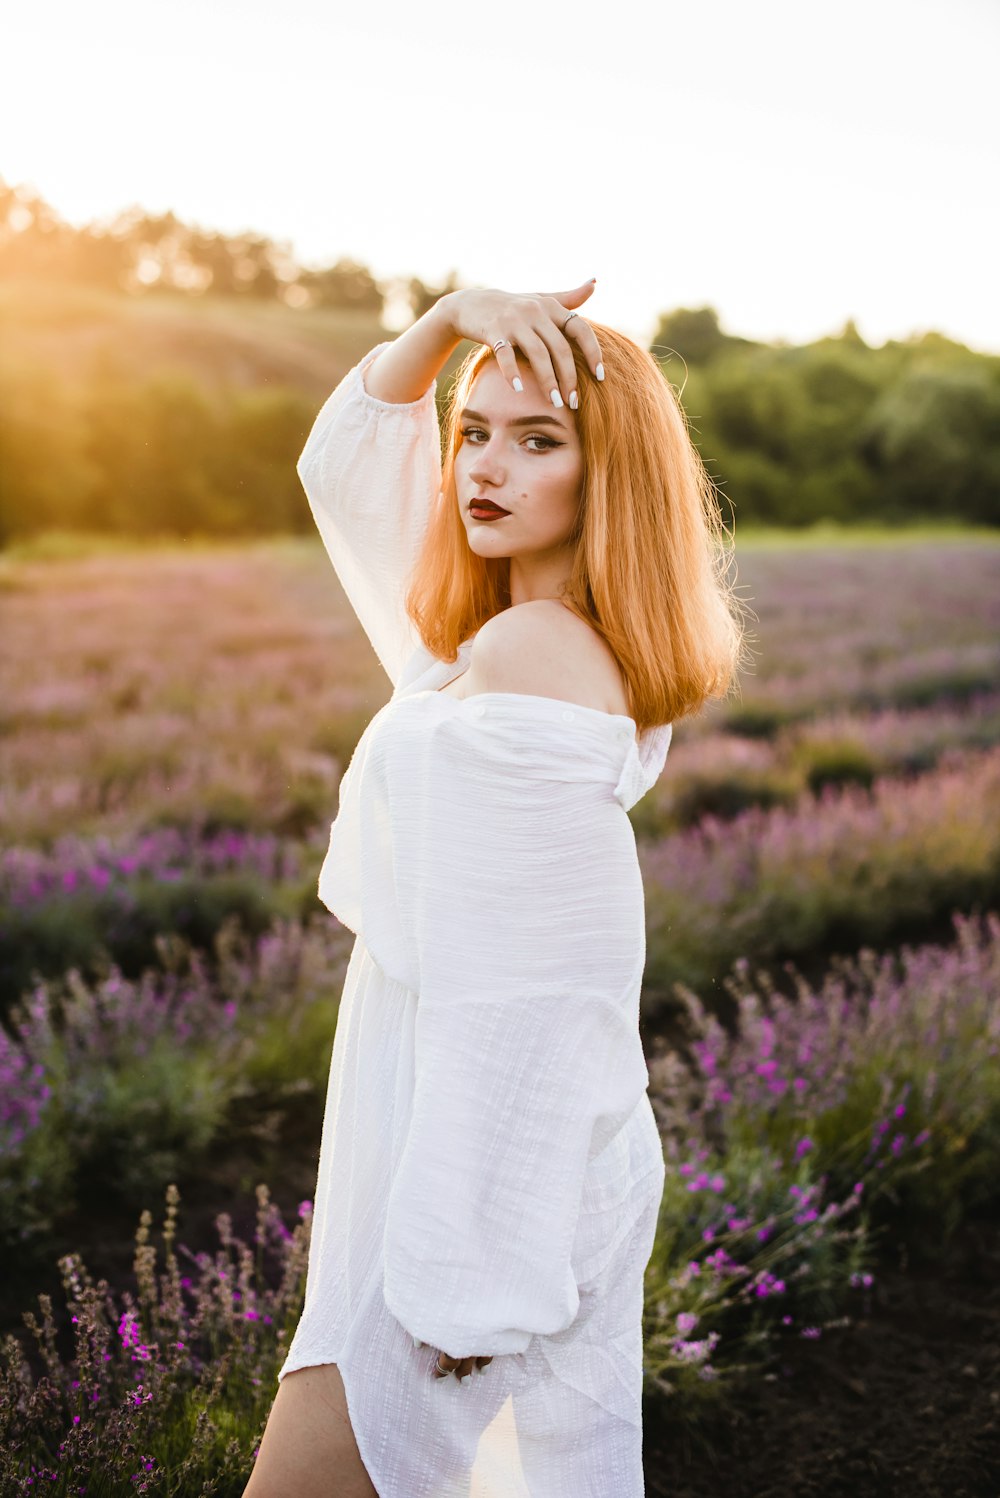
x=542, y=649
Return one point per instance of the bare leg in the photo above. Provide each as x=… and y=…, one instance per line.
x=308, y=1448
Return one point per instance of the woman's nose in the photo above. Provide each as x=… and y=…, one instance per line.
x=486, y=466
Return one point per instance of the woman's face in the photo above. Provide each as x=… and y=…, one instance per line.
x=523, y=453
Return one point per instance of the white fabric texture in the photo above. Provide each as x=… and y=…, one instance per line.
x=490, y=1170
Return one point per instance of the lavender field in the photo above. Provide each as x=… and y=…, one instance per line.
x=821, y=1005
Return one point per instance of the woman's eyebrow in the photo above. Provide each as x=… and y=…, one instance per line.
x=519, y=421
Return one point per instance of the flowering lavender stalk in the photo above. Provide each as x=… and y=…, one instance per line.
x=874, y=1096
x=131, y=1078
x=845, y=865
x=166, y=1389
x=75, y=865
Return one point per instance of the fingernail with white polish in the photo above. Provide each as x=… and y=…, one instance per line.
x=417, y=1342
x=557, y=399
x=517, y=384
x=600, y=371
x=574, y=400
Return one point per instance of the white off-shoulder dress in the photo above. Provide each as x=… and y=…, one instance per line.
x=490, y=1171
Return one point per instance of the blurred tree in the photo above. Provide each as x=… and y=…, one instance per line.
x=345, y=284
x=695, y=334
x=422, y=297
x=265, y=433
x=141, y=252
x=849, y=334
x=47, y=477
x=780, y=428
x=212, y=254
x=933, y=442
x=253, y=266
x=33, y=240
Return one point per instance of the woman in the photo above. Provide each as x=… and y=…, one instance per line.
x=490, y=1172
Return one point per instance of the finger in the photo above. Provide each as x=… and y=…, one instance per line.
x=536, y=350
x=562, y=353
x=561, y=357
x=464, y=1368
x=579, y=329
x=574, y=298
x=507, y=360
x=444, y=1366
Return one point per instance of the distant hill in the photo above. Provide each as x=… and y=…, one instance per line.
x=82, y=333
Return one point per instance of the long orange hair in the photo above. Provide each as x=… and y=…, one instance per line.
x=653, y=569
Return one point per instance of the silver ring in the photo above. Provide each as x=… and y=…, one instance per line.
x=569, y=319
x=502, y=343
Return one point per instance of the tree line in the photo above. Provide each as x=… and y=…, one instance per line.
x=144, y=253
x=835, y=429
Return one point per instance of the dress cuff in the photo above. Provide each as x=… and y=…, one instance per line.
x=412, y=408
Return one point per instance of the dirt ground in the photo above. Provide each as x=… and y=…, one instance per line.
x=904, y=1403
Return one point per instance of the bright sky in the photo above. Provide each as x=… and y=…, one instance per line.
x=791, y=164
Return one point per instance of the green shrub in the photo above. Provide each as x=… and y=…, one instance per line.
x=834, y=762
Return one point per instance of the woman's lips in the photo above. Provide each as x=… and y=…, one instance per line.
x=484, y=509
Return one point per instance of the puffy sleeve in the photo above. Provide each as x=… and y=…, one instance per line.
x=371, y=470
x=526, y=922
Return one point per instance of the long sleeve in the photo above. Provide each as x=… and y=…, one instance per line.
x=371, y=471
x=526, y=925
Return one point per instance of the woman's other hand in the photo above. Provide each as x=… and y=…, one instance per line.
x=536, y=324
x=444, y=1366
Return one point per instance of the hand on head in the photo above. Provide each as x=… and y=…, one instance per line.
x=540, y=326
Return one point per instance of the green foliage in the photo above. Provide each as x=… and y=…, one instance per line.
x=694, y=334
x=933, y=440
x=726, y=794
x=47, y=476
x=86, y=929
x=837, y=431
x=143, y=1076
x=157, y=458
x=834, y=762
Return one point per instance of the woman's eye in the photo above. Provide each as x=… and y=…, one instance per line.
x=469, y=433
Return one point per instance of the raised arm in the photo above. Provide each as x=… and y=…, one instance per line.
x=371, y=468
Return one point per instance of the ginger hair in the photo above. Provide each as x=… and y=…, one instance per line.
x=653, y=570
